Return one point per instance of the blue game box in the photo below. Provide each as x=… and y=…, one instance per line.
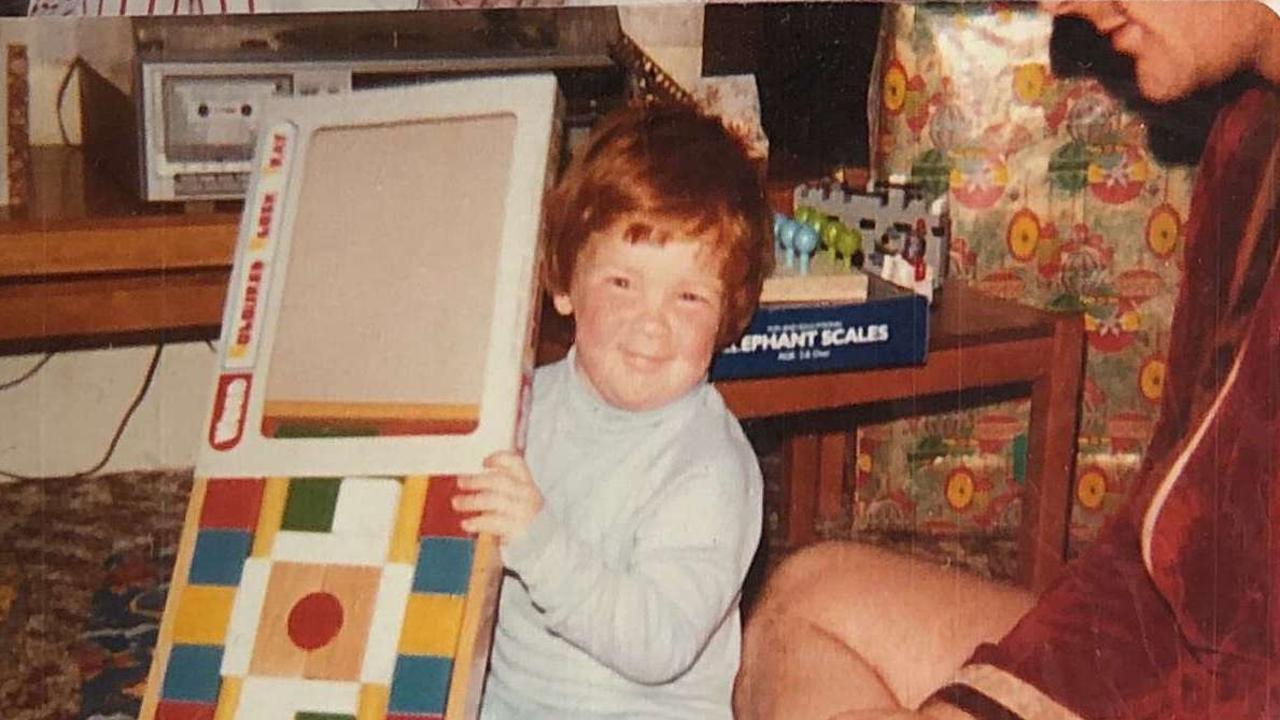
x=891, y=327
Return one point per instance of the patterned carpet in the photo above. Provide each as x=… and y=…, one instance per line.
x=83, y=569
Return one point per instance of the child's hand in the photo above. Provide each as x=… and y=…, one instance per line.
x=504, y=496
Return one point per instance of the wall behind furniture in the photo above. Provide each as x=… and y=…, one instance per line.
x=812, y=63
x=61, y=419
x=52, y=45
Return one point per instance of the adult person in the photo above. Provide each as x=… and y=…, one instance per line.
x=1174, y=611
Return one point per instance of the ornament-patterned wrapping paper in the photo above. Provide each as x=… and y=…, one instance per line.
x=735, y=99
x=1056, y=202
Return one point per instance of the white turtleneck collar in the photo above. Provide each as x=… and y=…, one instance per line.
x=601, y=416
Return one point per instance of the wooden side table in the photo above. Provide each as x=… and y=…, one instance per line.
x=85, y=264
x=980, y=347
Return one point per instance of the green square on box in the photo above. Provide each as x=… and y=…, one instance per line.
x=310, y=504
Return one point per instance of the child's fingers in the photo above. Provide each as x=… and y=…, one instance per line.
x=502, y=458
x=511, y=463
x=478, y=483
x=503, y=498
x=495, y=501
x=492, y=513
x=492, y=524
x=484, y=481
x=480, y=501
x=491, y=482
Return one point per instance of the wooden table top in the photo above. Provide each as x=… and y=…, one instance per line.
x=82, y=232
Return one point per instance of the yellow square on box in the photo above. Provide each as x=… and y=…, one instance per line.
x=431, y=624
x=203, y=613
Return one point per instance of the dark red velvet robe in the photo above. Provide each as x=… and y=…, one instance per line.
x=1174, y=612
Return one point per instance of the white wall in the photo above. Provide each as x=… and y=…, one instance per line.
x=671, y=34
x=62, y=419
x=52, y=45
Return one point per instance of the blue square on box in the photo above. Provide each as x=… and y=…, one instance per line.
x=420, y=684
x=444, y=565
x=192, y=673
x=219, y=557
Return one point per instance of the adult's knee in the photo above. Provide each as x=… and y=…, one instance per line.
x=815, y=571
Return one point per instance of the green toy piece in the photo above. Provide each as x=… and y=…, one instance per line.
x=831, y=234
x=848, y=243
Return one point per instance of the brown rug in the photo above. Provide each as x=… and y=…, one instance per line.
x=60, y=546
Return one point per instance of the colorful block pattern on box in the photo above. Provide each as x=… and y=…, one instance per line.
x=1057, y=201
x=312, y=598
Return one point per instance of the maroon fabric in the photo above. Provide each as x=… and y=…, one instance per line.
x=1199, y=637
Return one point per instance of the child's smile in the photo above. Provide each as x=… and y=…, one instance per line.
x=646, y=315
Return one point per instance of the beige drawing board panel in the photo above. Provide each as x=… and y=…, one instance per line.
x=377, y=343
x=358, y=336
x=378, y=313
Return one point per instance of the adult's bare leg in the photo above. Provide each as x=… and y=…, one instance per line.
x=845, y=626
x=794, y=669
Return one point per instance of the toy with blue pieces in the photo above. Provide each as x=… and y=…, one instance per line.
x=798, y=239
x=818, y=260
x=893, y=229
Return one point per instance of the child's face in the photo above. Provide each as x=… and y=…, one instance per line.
x=646, y=317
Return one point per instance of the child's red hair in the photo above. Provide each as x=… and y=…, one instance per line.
x=667, y=171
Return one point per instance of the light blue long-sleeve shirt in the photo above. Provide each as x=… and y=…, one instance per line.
x=621, y=600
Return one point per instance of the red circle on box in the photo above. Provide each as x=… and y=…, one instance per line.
x=315, y=620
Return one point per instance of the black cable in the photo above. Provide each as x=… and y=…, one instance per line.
x=115, y=439
x=28, y=374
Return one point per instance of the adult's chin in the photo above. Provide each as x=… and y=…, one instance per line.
x=1161, y=86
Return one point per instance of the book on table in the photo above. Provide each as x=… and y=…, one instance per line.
x=875, y=324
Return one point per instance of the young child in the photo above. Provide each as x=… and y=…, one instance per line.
x=629, y=523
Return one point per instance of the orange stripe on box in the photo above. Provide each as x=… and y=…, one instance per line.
x=181, y=567
x=274, y=494
x=204, y=611
x=478, y=616
x=432, y=624
x=304, y=410
x=404, y=541
x=289, y=418
x=228, y=698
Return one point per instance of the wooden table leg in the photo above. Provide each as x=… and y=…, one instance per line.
x=800, y=467
x=832, y=455
x=814, y=466
x=1051, y=455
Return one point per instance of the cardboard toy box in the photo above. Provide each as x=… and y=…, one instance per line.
x=377, y=342
x=889, y=328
